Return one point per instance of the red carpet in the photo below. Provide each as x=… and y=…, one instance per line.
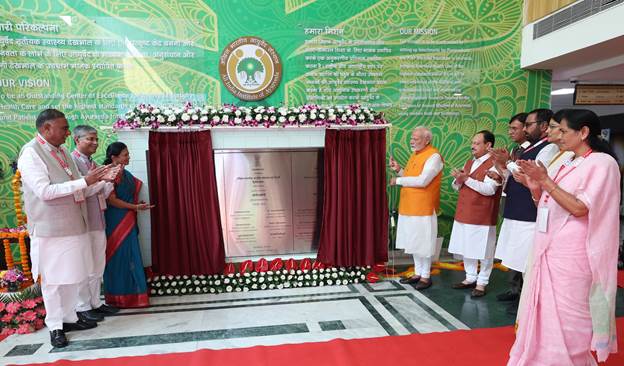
x=474, y=347
x=620, y=278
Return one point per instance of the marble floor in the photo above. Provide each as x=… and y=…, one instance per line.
x=188, y=323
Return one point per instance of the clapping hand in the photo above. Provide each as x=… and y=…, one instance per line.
x=534, y=173
x=501, y=156
x=460, y=175
x=494, y=176
x=96, y=175
x=112, y=172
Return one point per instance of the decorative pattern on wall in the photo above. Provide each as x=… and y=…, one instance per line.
x=451, y=65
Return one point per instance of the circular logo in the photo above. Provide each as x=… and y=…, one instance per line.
x=250, y=68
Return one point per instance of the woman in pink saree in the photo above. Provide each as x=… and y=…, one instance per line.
x=567, y=308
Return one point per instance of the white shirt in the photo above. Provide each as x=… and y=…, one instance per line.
x=488, y=187
x=433, y=166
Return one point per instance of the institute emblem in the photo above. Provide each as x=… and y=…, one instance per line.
x=250, y=68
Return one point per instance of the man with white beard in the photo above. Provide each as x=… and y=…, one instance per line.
x=419, y=205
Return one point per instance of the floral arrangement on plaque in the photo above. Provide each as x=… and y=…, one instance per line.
x=262, y=275
x=146, y=115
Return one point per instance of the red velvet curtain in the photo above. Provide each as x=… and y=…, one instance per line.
x=354, y=229
x=186, y=225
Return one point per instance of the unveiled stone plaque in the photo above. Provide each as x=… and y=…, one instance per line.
x=269, y=201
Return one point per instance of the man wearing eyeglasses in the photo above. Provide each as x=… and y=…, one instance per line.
x=515, y=239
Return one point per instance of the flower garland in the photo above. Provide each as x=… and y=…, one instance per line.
x=255, y=280
x=16, y=184
x=146, y=115
x=20, y=233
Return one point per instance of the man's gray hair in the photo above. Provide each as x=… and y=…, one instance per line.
x=81, y=131
x=425, y=132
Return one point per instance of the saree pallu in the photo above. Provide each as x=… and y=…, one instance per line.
x=124, y=277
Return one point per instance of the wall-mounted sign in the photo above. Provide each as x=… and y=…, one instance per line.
x=250, y=68
x=591, y=94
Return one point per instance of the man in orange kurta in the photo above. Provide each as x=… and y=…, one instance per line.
x=419, y=205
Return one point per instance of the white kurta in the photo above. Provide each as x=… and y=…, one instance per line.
x=62, y=260
x=475, y=241
x=417, y=235
x=515, y=242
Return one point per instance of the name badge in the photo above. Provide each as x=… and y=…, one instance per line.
x=102, y=202
x=542, y=219
x=79, y=196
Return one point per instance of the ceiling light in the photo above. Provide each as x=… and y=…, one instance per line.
x=562, y=91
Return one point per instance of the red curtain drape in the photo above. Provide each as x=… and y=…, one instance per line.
x=186, y=225
x=354, y=229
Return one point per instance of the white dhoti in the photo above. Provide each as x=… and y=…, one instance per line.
x=474, y=243
x=63, y=262
x=89, y=291
x=515, y=242
x=417, y=235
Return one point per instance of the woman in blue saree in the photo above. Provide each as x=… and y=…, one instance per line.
x=124, y=278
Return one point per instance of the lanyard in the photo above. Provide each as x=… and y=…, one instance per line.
x=90, y=163
x=558, y=179
x=62, y=162
x=535, y=145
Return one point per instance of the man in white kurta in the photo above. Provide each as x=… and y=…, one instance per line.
x=515, y=239
x=474, y=238
x=90, y=306
x=54, y=195
x=417, y=229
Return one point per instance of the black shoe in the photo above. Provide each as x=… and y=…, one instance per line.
x=462, y=286
x=477, y=293
x=79, y=325
x=507, y=296
x=106, y=310
x=90, y=316
x=409, y=280
x=58, y=338
x=421, y=285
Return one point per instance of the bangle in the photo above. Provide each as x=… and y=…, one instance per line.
x=136, y=208
x=535, y=199
x=552, y=189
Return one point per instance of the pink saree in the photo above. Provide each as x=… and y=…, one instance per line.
x=568, y=300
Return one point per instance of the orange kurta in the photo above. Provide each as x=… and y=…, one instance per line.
x=420, y=201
